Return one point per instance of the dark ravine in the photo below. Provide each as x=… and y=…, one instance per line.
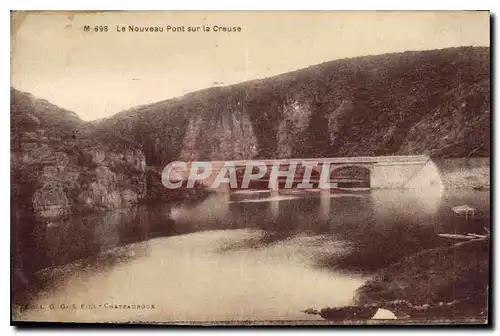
x=59, y=168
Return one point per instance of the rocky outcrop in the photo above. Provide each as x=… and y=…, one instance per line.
x=230, y=135
x=59, y=170
x=110, y=181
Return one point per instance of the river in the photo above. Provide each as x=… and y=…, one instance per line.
x=248, y=255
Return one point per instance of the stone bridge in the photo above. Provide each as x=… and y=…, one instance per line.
x=413, y=171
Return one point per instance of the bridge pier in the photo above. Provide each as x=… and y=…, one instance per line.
x=224, y=188
x=325, y=204
x=274, y=204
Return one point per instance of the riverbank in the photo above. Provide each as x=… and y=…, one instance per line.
x=451, y=282
x=464, y=173
x=445, y=283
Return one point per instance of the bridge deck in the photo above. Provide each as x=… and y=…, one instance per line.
x=341, y=160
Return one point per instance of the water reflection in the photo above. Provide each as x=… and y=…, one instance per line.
x=403, y=216
x=83, y=236
x=313, y=236
x=325, y=201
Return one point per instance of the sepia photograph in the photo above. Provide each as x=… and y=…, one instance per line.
x=243, y=168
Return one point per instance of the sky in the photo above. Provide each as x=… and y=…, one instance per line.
x=98, y=74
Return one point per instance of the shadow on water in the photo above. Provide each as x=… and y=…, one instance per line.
x=390, y=225
x=379, y=228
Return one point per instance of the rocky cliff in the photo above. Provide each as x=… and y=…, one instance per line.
x=59, y=167
x=428, y=102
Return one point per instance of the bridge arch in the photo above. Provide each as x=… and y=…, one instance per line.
x=351, y=176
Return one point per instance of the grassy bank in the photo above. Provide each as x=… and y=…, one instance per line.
x=446, y=282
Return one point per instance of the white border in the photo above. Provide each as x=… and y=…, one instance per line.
x=255, y=5
x=187, y=5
